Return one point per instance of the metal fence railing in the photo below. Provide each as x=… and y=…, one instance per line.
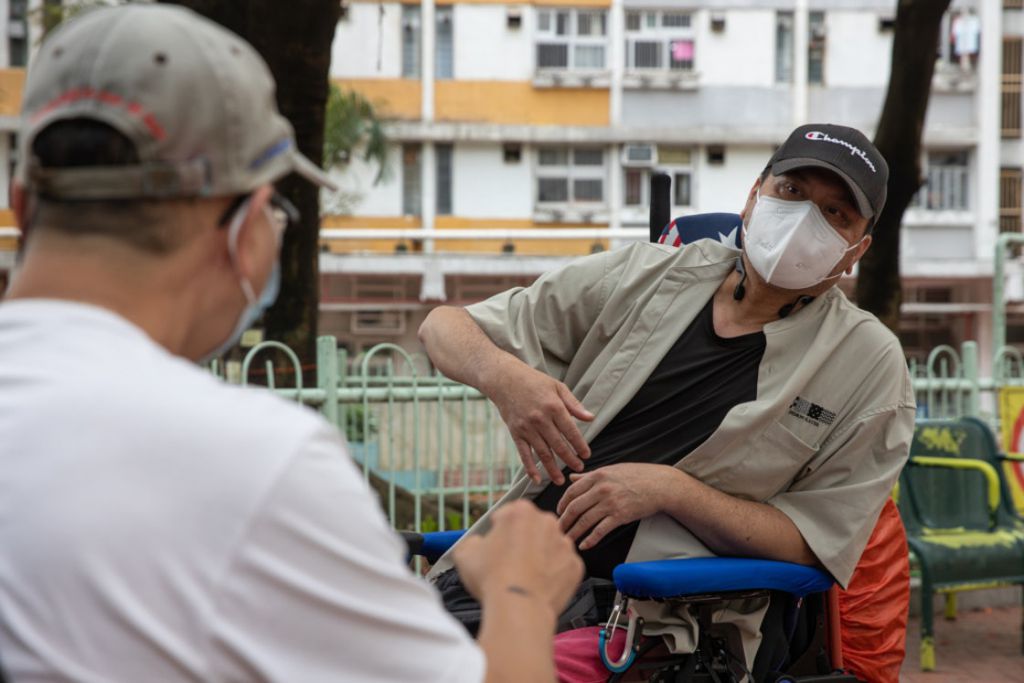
x=435, y=450
x=438, y=453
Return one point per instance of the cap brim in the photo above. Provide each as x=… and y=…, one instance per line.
x=863, y=205
x=311, y=172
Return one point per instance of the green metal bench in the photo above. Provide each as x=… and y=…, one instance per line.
x=959, y=517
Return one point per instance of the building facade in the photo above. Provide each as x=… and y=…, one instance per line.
x=525, y=134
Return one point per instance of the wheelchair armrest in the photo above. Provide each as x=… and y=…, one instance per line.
x=662, y=579
x=430, y=545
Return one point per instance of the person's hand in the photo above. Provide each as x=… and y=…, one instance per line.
x=538, y=411
x=525, y=553
x=612, y=496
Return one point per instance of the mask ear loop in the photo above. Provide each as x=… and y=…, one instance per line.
x=234, y=228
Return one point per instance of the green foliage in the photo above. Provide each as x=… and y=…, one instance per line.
x=452, y=519
x=360, y=424
x=352, y=127
x=53, y=12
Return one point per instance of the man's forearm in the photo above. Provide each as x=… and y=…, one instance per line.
x=516, y=637
x=732, y=526
x=461, y=350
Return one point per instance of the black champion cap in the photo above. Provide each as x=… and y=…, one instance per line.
x=843, y=150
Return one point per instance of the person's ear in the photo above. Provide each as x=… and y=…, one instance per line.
x=249, y=239
x=862, y=248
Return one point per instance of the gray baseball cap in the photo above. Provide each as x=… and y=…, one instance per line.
x=196, y=100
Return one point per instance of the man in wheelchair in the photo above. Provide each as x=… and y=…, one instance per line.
x=705, y=401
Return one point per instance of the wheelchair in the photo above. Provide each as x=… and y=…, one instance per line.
x=804, y=644
x=799, y=597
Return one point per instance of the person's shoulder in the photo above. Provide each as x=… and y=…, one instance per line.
x=863, y=329
x=172, y=400
x=206, y=398
x=699, y=253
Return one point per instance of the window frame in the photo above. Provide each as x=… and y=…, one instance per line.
x=785, y=64
x=651, y=29
x=412, y=49
x=572, y=172
x=817, y=47
x=412, y=180
x=444, y=168
x=444, y=60
x=940, y=178
x=547, y=35
x=675, y=170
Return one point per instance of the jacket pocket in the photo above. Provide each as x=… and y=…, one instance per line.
x=773, y=459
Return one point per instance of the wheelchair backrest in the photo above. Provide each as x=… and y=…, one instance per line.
x=726, y=228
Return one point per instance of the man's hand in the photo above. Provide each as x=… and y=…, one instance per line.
x=612, y=496
x=538, y=411
x=524, y=553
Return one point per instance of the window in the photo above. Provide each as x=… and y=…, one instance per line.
x=570, y=175
x=12, y=154
x=1011, y=87
x=1010, y=199
x=443, y=158
x=412, y=204
x=659, y=40
x=17, y=33
x=816, y=48
x=677, y=162
x=784, y=47
x=946, y=183
x=571, y=40
x=444, y=47
x=411, y=41
x=512, y=153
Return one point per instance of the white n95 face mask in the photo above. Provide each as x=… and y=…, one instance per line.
x=790, y=244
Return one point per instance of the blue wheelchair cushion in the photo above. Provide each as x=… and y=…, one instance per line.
x=436, y=543
x=703, y=575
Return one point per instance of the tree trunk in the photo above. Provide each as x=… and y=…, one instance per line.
x=898, y=138
x=295, y=39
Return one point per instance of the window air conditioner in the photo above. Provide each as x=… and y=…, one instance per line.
x=639, y=155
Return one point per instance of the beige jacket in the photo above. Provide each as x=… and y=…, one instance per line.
x=823, y=442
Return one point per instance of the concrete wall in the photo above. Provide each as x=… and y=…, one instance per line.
x=485, y=186
x=383, y=199
x=368, y=44
x=709, y=107
x=486, y=49
x=857, y=54
x=724, y=187
x=742, y=55
x=857, y=107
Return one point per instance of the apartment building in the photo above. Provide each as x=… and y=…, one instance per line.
x=540, y=124
x=552, y=115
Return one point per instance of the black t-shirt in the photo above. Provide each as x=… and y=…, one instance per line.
x=679, y=406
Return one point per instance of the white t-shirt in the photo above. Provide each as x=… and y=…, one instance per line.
x=159, y=525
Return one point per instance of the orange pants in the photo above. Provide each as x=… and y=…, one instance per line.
x=873, y=609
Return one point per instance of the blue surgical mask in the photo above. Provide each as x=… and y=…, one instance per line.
x=255, y=306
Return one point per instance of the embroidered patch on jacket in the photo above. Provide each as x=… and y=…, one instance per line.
x=811, y=412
